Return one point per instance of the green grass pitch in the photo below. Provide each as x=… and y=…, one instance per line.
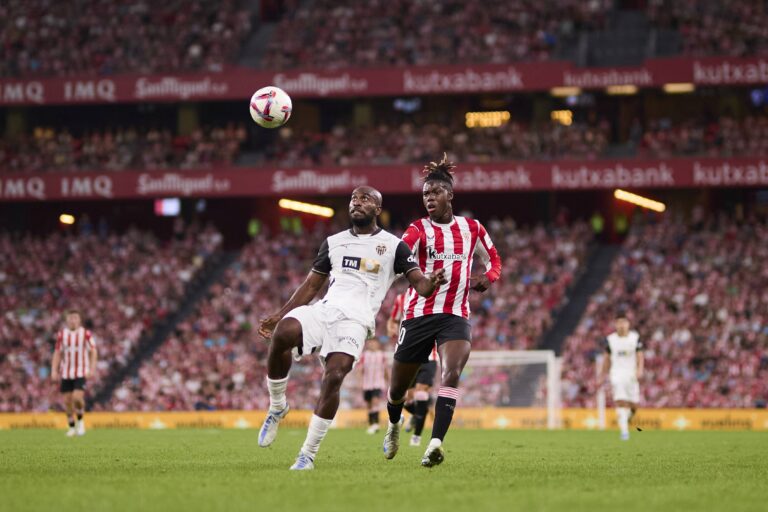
x=225, y=470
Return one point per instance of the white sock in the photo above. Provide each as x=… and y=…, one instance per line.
x=622, y=414
x=277, y=387
x=318, y=427
x=434, y=443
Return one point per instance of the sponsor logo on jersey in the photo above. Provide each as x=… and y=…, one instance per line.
x=361, y=264
x=434, y=255
x=352, y=262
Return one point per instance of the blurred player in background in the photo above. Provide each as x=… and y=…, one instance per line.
x=418, y=398
x=624, y=365
x=440, y=241
x=362, y=263
x=375, y=367
x=74, y=361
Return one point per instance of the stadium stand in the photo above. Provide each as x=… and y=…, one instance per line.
x=47, y=149
x=709, y=27
x=121, y=284
x=333, y=34
x=696, y=293
x=79, y=37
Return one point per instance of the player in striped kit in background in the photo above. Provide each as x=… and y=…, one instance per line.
x=440, y=241
x=375, y=369
x=74, y=360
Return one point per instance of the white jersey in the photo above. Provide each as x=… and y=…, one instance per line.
x=623, y=353
x=362, y=268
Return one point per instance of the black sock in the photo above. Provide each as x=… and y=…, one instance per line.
x=394, y=411
x=446, y=403
x=71, y=421
x=410, y=407
x=372, y=417
x=79, y=416
x=420, y=417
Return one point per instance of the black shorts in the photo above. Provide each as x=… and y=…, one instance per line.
x=427, y=373
x=370, y=394
x=418, y=336
x=69, y=385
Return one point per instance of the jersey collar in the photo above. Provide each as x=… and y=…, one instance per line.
x=352, y=232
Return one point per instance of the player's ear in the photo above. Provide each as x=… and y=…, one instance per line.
x=450, y=195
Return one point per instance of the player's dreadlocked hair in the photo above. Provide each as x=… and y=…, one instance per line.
x=440, y=171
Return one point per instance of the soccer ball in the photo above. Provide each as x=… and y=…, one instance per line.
x=270, y=107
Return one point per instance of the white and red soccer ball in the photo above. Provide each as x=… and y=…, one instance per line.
x=270, y=107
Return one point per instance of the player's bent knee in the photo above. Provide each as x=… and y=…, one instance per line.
x=450, y=377
x=334, y=377
x=288, y=333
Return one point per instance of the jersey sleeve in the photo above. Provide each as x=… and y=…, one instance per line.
x=322, y=263
x=411, y=237
x=404, y=260
x=488, y=254
x=606, y=345
x=640, y=345
x=59, y=337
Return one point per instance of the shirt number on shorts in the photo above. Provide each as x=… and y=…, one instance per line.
x=401, y=337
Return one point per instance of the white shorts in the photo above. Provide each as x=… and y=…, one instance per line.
x=326, y=329
x=626, y=390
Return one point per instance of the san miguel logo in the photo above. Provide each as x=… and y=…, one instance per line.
x=434, y=255
x=381, y=249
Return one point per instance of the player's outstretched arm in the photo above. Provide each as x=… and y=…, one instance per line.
x=301, y=297
x=490, y=258
x=425, y=285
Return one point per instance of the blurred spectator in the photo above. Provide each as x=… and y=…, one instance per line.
x=104, y=37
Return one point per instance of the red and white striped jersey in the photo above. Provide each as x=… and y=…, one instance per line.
x=374, y=363
x=397, y=307
x=75, y=347
x=450, y=246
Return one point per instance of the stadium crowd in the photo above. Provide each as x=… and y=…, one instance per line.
x=710, y=27
x=720, y=137
x=121, y=284
x=696, y=292
x=82, y=37
x=46, y=149
x=406, y=143
x=216, y=360
x=333, y=34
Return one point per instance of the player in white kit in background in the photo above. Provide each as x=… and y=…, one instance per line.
x=362, y=263
x=623, y=364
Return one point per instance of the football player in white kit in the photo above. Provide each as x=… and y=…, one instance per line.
x=362, y=263
x=623, y=364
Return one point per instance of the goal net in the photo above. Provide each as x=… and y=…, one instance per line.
x=516, y=388
x=499, y=389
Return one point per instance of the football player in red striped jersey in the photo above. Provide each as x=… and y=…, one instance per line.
x=447, y=242
x=74, y=360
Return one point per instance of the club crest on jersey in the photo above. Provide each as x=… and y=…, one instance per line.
x=381, y=249
x=434, y=255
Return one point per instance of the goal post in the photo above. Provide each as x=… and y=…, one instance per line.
x=532, y=379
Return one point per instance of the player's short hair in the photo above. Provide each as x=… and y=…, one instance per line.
x=440, y=171
x=74, y=312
